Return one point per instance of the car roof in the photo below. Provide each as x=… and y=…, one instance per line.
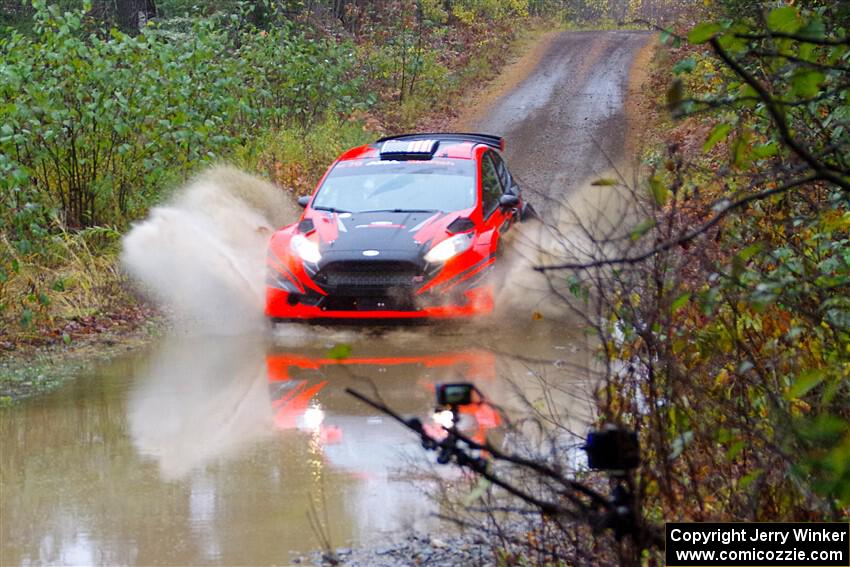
x=457, y=145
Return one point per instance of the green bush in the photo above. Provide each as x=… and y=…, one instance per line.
x=297, y=157
x=94, y=127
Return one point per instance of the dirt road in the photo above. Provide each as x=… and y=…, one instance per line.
x=566, y=122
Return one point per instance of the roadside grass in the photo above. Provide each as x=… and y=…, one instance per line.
x=31, y=372
x=72, y=304
x=295, y=158
x=87, y=274
x=74, y=277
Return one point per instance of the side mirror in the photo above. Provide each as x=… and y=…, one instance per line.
x=304, y=201
x=508, y=201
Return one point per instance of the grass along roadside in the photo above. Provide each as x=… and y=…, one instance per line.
x=36, y=370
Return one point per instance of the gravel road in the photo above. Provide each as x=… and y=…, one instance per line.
x=566, y=122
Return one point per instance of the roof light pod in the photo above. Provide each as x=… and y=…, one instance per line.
x=409, y=149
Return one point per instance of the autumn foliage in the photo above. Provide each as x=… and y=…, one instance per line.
x=728, y=323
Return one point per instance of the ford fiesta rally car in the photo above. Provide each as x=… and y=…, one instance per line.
x=404, y=228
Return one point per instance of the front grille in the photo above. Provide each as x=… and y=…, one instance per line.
x=369, y=278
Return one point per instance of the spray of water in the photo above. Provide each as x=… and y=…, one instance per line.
x=580, y=227
x=202, y=256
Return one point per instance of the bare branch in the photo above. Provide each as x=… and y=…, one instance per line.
x=795, y=37
x=687, y=236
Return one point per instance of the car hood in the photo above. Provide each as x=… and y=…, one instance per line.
x=389, y=233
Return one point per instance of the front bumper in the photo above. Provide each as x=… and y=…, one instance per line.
x=472, y=302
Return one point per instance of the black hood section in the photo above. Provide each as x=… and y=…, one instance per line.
x=387, y=236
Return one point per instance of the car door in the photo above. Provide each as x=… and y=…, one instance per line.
x=496, y=219
x=496, y=181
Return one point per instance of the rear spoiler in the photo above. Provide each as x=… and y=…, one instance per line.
x=496, y=142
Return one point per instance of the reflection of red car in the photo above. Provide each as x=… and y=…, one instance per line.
x=406, y=227
x=298, y=386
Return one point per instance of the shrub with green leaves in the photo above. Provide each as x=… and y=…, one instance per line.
x=94, y=127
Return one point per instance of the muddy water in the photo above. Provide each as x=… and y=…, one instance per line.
x=210, y=450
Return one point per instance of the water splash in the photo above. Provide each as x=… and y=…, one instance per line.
x=589, y=223
x=202, y=256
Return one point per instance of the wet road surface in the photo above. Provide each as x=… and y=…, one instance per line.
x=566, y=122
x=216, y=450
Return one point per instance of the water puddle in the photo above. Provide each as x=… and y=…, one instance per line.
x=216, y=450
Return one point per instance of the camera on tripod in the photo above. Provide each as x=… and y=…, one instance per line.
x=455, y=394
x=612, y=449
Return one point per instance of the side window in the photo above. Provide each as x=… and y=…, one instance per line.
x=490, y=185
x=501, y=171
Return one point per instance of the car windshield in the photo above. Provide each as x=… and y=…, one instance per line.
x=358, y=186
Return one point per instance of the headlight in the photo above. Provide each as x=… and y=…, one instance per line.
x=306, y=249
x=449, y=248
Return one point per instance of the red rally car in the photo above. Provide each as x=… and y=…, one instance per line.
x=404, y=228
